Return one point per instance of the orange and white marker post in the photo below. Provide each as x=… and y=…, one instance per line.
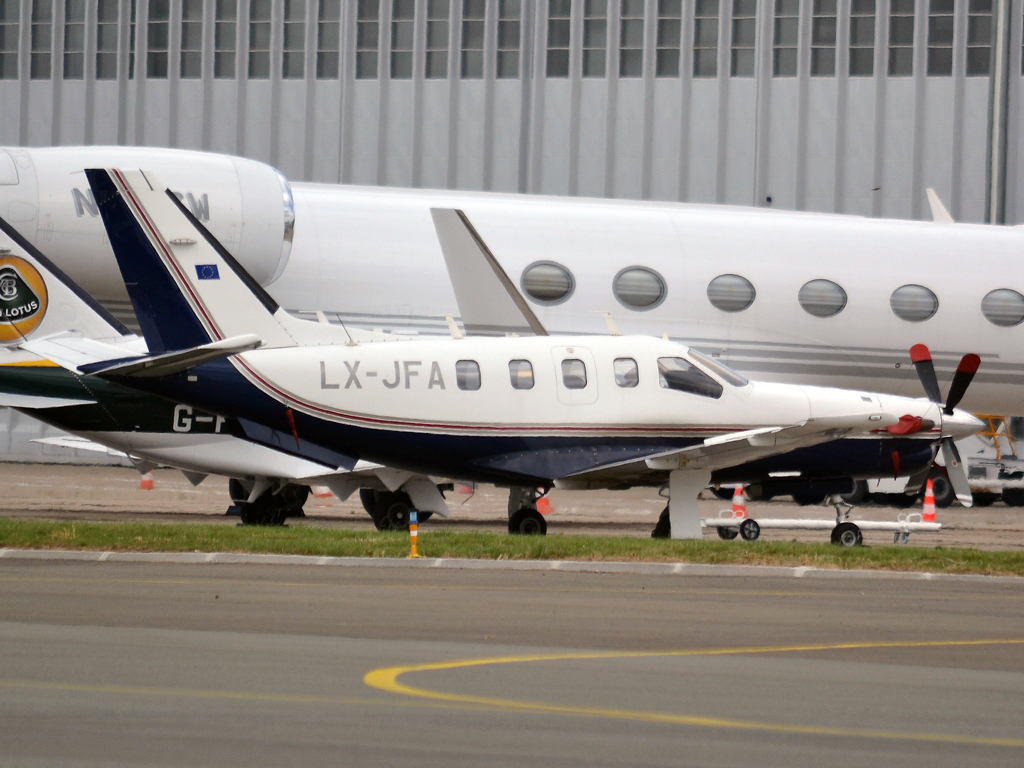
x=147, y=482
x=928, y=515
x=413, y=533
x=739, y=506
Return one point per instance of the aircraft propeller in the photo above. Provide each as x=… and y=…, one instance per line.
x=922, y=359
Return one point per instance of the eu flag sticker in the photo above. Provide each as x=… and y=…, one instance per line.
x=207, y=272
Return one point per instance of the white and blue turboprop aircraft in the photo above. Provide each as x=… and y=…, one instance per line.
x=600, y=411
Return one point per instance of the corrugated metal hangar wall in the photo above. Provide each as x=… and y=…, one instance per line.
x=830, y=105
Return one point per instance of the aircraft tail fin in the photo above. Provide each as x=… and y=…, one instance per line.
x=187, y=290
x=32, y=284
x=489, y=302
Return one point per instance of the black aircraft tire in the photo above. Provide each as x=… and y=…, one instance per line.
x=943, y=490
x=750, y=530
x=848, y=535
x=984, y=498
x=368, y=498
x=858, y=495
x=527, y=522
x=263, y=511
x=1013, y=497
x=392, y=512
x=663, y=528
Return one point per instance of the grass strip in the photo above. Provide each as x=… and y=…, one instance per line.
x=158, y=537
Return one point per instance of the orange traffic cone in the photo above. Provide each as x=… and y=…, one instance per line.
x=321, y=492
x=928, y=516
x=147, y=482
x=544, y=505
x=739, y=506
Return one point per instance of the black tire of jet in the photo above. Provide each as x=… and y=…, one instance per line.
x=392, y=511
x=368, y=498
x=293, y=498
x=848, y=535
x=858, y=495
x=264, y=511
x=663, y=528
x=1013, y=497
x=527, y=522
x=943, y=489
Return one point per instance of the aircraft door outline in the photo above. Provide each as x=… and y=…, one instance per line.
x=571, y=390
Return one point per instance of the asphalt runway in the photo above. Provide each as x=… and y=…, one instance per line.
x=222, y=665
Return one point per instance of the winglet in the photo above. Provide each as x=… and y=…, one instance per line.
x=489, y=302
x=939, y=212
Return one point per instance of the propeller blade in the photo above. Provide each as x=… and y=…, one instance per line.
x=961, y=379
x=922, y=359
x=957, y=472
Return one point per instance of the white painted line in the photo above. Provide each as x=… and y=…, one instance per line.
x=580, y=566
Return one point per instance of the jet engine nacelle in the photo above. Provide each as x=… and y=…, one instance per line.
x=247, y=205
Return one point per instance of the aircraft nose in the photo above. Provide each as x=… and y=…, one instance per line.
x=961, y=424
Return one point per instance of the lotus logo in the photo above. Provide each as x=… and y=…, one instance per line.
x=22, y=299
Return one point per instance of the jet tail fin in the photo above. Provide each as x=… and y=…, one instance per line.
x=489, y=302
x=187, y=290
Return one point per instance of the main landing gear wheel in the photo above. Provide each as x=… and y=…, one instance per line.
x=750, y=530
x=943, y=489
x=264, y=511
x=391, y=511
x=663, y=528
x=847, y=534
x=727, y=533
x=527, y=522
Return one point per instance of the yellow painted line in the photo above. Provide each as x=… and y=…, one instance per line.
x=30, y=364
x=386, y=679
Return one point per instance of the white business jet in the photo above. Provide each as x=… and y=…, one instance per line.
x=604, y=411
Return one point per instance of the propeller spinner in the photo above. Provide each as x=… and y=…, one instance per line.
x=922, y=359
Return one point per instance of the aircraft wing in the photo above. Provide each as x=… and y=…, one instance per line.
x=713, y=453
x=489, y=302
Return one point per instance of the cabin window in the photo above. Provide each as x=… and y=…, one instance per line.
x=574, y=374
x=822, y=298
x=547, y=283
x=467, y=374
x=639, y=288
x=913, y=303
x=679, y=373
x=626, y=372
x=521, y=374
x=719, y=368
x=1004, y=307
x=731, y=293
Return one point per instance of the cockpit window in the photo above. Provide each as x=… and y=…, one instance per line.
x=626, y=372
x=721, y=369
x=521, y=374
x=679, y=373
x=574, y=374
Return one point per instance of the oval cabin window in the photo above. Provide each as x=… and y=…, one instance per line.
x=521, y=374
x=913, y=303
x=731, y=293
x=548, y=283
x=467, y=374
x=639, y=288
x=574, y=374
x=1004, y=307
x=822, y=298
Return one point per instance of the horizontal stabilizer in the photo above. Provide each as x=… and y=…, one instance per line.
x=8, y=400
x=79, y=444
x=73, y=351
x=173, y=362
x=489, y=302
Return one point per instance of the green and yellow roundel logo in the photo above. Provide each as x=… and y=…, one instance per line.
x=22, y=298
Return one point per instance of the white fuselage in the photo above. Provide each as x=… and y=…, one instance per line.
x=371, y=255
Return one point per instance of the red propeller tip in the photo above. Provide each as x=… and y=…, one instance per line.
x=969, y=364
x=919, y=353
